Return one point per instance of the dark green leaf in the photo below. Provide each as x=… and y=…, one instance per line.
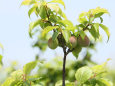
x=101, y=19
x=81, y=25
x=99, y=15
x=76, y=51
x=55, y=35
x=42, y=12
x=82, y=34
x=95, y=31
x=66, y=35
x=96, y=26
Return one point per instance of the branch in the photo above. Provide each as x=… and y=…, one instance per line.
x=69, y=50
x=64, y=63
x=85, y=28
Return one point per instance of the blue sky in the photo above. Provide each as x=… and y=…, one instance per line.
x=14, y=24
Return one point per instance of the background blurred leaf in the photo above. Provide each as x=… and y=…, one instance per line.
x=83, y=74
x=1, y=59
x=29, y=67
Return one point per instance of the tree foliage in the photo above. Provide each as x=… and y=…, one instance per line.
x=53, y=25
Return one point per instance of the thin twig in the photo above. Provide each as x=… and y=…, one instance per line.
x=69, y=50
x=86, y=27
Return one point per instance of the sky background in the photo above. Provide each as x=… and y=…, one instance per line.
x=14, y=23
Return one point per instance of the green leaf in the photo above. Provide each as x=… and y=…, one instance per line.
x=55, y=34
x=29, y=67
x=91, y=82
x=1, y=59
x=58, y=1
x=63, y=15
x=105, y=28
x=1, y=46
x=101, y=19
x=82, y=34
x=68, y=24
x=82, y=17
x=17, y=75
x=81, y=25
x=8, y=81
x=26, y=83
x=33, y=9
x=54, y=7
x=54, y=18
x=76, y=51
x=42, y=12
x=35, y=79
x=93, y=32
x=98, y=69
x=16, y=78
x=37, y=10
x=57, y=9
x=33, y=25
x=28, y=2
x=96, y=26
x=66, y=35
x=15, y=83
x=99, y=14
x=70, y=84
x=106, y=81
x=59, y=83
x=37, y=85
x=47, y=29
x=83, y=74
x=91, y=19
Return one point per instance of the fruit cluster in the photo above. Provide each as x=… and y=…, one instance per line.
x=74, y=42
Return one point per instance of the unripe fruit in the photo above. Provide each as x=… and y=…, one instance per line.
x=73, y=41
x=52, y=43
x=83, y=42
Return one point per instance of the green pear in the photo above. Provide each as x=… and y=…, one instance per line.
x=83, y=42
x=52, y=44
